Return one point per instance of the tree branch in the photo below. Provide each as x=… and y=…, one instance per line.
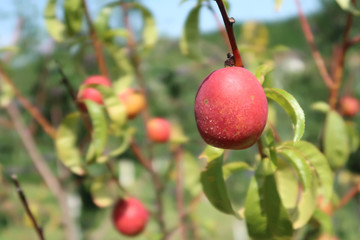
x=319, y=61
x=348, y=196
x=229, y=29
x=40, y=164
x=24, y=202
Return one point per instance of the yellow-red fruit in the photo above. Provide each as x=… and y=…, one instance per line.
x=158, y=130
x=134, y=102
x=91, y=93
x=349, y=106
x=130, y=216
x=231, y=108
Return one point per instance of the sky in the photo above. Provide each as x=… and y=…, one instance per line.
x=169, y=15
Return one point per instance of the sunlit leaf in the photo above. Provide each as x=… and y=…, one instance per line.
x=336, y=141
x=299, y=203
x=264, y=70
x=65, y=144
x=149, y=32
x=73, y=15
x=234, y=167
x=104, y=191
x=6, y=93
x=213, y=183
x=54, y=26
x=292, y=108
x=319, y=163
x=265, y=215
x=278, y=4
x=189, y=42
x=348, y=6
x=298, y=161
x=99, y=126
x=321, y=107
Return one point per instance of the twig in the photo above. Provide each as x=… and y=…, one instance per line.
x=24, y=202
x=314, y=50
x=179, y=192
x=229, y=29
x=353, y=41
x=339, y=68
x=348, y=196
x=40, y=164
x=35, y=113
x=96, y=43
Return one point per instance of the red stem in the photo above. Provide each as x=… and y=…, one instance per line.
x=229, y=29
x=348, y=196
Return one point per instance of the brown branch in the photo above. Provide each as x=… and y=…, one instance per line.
x=339, y=68
x=229, y=29
x=319, y=61
x=348, y=196
x=95, y=41
x=35, y=113
x=24, y=202
x=40, y=164
x=353, y=41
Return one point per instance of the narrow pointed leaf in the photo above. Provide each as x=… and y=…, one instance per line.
x=65, y=144
x=321, y=107
x=189, y=42
x=99, y=125
x=213, y=183
x=348, y=6
x=54, y=26
x=298, y=160
x=149, y=31
x=336, y=141
x=234, y=167
x=104, y=191
x=299, y=203
x=263, y=70
x=292, y=108
x=319, y=162
x=265, y=216
x=73, y=16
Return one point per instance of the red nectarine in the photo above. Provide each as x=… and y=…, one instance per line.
x=349, y=106
x=158, y=130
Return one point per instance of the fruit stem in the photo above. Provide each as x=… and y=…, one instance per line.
x=24, y=202
x=260, y=146
x=229, y=29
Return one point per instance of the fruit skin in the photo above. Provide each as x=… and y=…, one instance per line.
x=91, y=93
x=230, y=108
x=158, y=130
x=134, y=102
x=349, y=106
x=130, y=216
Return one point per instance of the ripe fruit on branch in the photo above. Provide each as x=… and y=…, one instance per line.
x=130, y=216
x=134, y=102
x=158, y=130
x=349, y=106
x=91, y=93
x=231, y=108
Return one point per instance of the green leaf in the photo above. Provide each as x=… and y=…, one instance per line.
x=353, y=134
x=298, y=160
x=292, y=108
x=319, y=162
x=114, y=107
x=6, y=93
x=348, y=6
x=324, y=220
x=278, y=4
x=189, y=42
x=336, y=142
x=264, y=70
x=104, y=191
x=299, y=203
x=55, y=27
x=265, y=216
x=73, y=16
x=126, y=70
x=149, y=32
x=321, y=107
x=9, y=49
x=191, y=171
x=65, y=144
x=99, y=125
x=213, y=183
x=270, y=143
x=233, y=167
